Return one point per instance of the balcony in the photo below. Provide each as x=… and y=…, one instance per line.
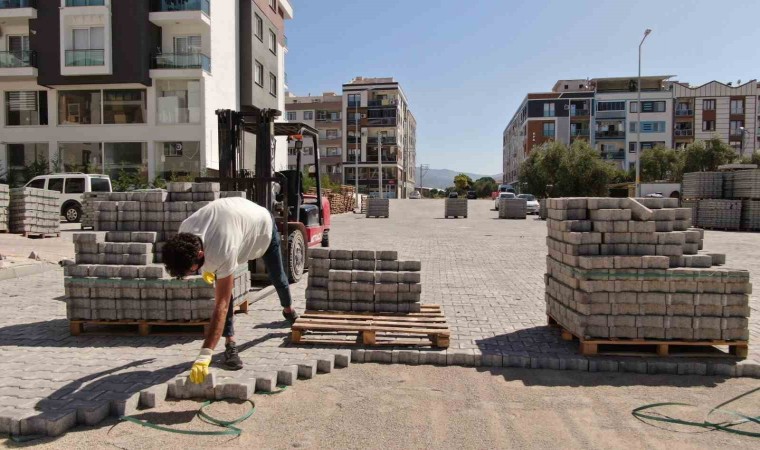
x=381, y=122
x=387, y=140
x=388, y=102
x=684, y=112
x=85, y=58
x=579, y=112
x=332, y=137
x=354, y=140
x=168, y=12
x=182, y=61
x=583, y=132
x=328, y=119
x=610, y=134
x=683, y=133
x=18, y=64
x=77, y=3
x=22, y=10
x=737, y=111
x=613, y=156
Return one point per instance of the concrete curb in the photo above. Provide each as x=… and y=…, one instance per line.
x=23, y=271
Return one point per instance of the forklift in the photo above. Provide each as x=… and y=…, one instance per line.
x=303, y=221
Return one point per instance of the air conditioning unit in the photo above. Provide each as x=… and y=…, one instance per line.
x=364, y=116
x=567, y=107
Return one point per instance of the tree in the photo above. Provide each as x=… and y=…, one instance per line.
x=660, y=164
x=754, y=159
x=462, y=182
x=706, y=156
x=484, y=186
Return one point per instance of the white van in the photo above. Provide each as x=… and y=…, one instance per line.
x=72, y=187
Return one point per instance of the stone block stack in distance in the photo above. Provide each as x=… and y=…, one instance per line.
x=512, y=208
x=35, y=211
x=5, y=197
x=115, y=279
x=378, y=207
x=362, y=281
x=89, y=214
x=720, y=214
x=455, y=207
x=622, y=268
x=699, y=185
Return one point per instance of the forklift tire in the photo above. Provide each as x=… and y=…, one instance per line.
x=325, y=239
x=296, y=256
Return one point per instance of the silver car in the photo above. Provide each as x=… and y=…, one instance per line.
x=532, y=206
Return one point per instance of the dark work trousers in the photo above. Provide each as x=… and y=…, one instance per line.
x=273, y=262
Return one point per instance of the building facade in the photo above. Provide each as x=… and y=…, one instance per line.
x=78, y=94
x=605, y=112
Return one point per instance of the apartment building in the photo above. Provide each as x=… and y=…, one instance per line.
x=133, y=85
x=325, y=113
x=672, y=114
x=378, y=124
x=731, y=112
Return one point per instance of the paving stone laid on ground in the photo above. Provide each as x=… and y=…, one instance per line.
x=486, y=273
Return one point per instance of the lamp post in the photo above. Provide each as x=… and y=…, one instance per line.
x=638, y=120
x=356, y=157
x=380, y=164
x=744, y=132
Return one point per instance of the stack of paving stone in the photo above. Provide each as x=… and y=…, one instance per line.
x=115, y=279
x=35, y=211
x=698, y=185
x=611, y=274
x=721, y=214
x=512, y=208
x=455, y=207
x=362, y=281
x=543, y=209
x=4, y=202
x=746, y=184
x=694, y=206
x=751, y=215
x=89, y=214
x=378, y=207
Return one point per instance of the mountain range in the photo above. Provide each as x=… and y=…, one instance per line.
x=443, y=178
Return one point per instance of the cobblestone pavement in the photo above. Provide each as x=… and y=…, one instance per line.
x=487, y=274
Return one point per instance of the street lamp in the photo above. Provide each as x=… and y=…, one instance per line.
x=638, y=120
x=744, y=132
x=359, y=148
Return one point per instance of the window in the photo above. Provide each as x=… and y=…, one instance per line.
x=566, y=86
x=179, y=101
x=737, y=106
x=75, y=185
x=354, y=100
x=79, y=107
x=292, y=116
x=631, y=147
x=258, y=74
x=332, y=134
x=187, y=45
x=177, y=158
x=80, y=156
x=124, y=106
x=272, y=42
x=308, y=151
x=649, y=107
x=708, y=105
x=273, y=4
x=708, y=125
x=259, y=28
x=549, y=130
x=272, y=84
x=735, y=127
x=38, y=184
x=130, y=157
x=55, y=184
x=333, y=151
x=649, y=127
x=610, y=106
x=292, y=151
x=99, y=185
x=26, y=108
x=308, y=115
x=548, y=109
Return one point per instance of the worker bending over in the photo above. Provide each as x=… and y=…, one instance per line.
x=215, y=240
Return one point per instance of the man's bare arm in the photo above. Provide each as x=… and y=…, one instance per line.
x=223, y=294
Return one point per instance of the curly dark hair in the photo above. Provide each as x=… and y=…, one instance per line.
x=180, y=253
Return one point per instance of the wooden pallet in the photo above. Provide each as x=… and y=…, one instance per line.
x=651, y=347
x=40, y=235
x=146, y=327
x=425, y=328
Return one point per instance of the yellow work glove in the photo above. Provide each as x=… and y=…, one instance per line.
x=200, y=366
x=209, y=277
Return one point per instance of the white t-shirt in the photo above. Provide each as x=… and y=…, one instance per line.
x=234, y=231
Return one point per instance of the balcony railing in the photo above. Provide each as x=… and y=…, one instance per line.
x=182, y=61
x=354, y=104
x=579, y=112
x=610, y=134
x=381, y=121
x=616, y=156
x=183, y=5
x=684, y=112
x=387, y=140
x=85, y=3
x=83, y=58
x=581, y=132
x=737, y=111
x=331, y=137
x=683, y=132
x=387, y=102
x=12, y=60
x=328, y=119
x=9, y=4
x=354, y=140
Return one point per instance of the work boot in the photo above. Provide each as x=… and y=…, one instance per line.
x=231, y=359
x=291, y=316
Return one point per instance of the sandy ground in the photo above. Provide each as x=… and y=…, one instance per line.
x=372, y=406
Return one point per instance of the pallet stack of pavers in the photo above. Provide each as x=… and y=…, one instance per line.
x=378, y=207
x=362, y=281
x=751, y=215
x=721, y=214
x=617, y=269
x=4, y=202
x=512, y=208
x=455, y=207
x=698, y=185
x=116, y=279
x=35, y=211
x=89, y=214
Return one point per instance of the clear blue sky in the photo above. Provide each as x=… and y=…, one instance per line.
x=466, y=65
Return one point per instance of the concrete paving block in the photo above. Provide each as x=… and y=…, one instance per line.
x=153, y=396
x=152, y=272
x=325, y=363
x=287, y=375
x=316, y=294
x=363, y=275
x=382, y=307
x=93, y=414
x=409, y=277
x=341, y=275
x=205, y=196
x=409, y=266
x=386, y=277
x=205, y=187
x=386, y=288
x=610, y=214
x=604, y=203
x=366, y=255
x=334, y=286
x=85, y=238
x=664, y=214
x=633, y=366
x=387, y=255
x=664, y=226
x=388, y=266
x=367, y=265
x=140, y=260
x=409, y=297
x=317, y=282
x=308, y=369
x=341, y=254
x=176, y=186
x=319, y=253
x=320, y=264
x=340, y=264
x=639, y=212
x=49, y=423
x=603, y=365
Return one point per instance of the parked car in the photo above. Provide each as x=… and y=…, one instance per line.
x=415, y=195
x=453, y=195
x=502, y=195
x=532, y=206
x=472, y=195
x=72, y=187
